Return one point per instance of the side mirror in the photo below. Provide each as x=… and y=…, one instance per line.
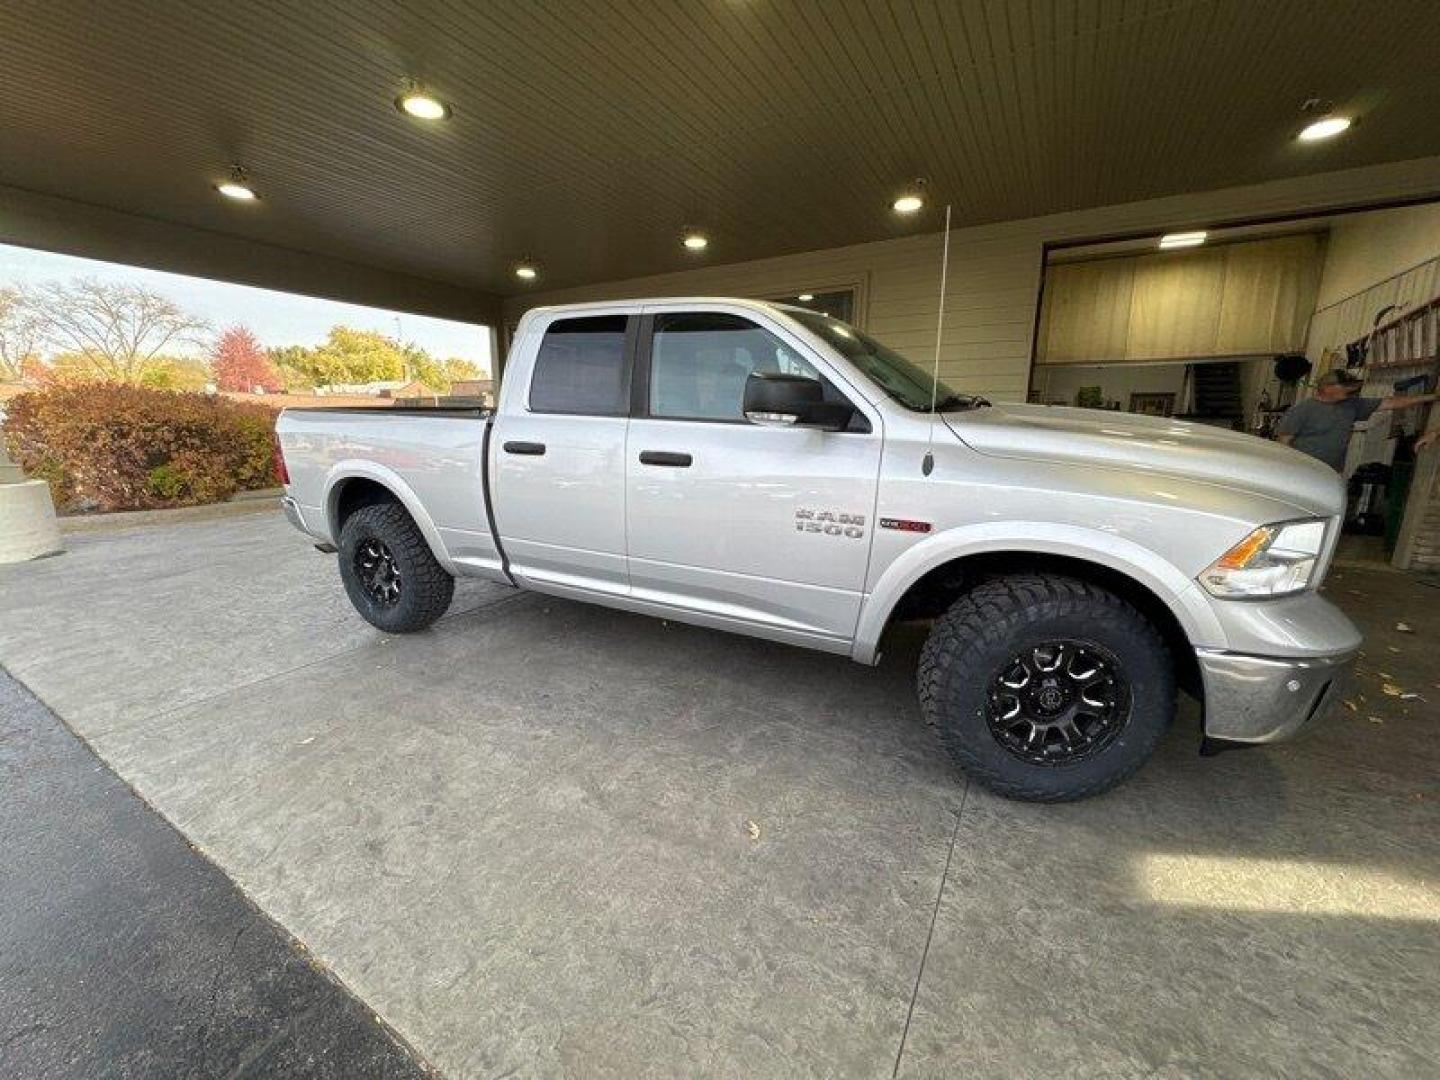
x=776, y=400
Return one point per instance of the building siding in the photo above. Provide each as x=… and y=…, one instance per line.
x=995, y=270
x=989, y=311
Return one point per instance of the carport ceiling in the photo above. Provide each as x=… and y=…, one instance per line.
x=587, y=134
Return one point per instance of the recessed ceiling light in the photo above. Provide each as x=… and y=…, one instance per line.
x=696, y=241
x=422, y=105
x=911, y=199
x=805, y=297
x=526, y=271
x=1327, y=128
x=1183, y=239
x=237, y=187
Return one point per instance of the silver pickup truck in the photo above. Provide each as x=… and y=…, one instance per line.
x=773, y=471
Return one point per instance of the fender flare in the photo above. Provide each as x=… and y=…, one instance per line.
x=358, y=468
x=1177, y=592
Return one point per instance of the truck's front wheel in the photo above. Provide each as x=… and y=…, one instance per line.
x=389, y=572
x=1046, y=688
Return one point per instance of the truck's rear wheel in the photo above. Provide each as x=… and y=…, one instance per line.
x=1046, y=688
x=389, y=572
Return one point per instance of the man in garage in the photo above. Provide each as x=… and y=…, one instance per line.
x=1320, y=426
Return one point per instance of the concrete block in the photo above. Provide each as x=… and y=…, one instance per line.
x=28, y=528
x=9, y=472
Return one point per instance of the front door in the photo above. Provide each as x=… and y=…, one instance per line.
x=757, y=525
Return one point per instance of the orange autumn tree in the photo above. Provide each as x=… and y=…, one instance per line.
x=239, y=363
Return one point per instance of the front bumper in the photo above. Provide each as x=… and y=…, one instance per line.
x=1261, y=699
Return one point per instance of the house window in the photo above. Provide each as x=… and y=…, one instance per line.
x=837, y=303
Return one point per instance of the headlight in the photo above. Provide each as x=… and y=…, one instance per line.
x=1274, y=560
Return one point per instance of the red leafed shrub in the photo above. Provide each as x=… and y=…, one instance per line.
x=103, y=446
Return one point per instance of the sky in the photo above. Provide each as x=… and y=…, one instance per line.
x=276, y=318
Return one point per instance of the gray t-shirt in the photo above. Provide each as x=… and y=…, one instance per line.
x=1322, y=428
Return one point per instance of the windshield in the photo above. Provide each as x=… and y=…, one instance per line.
x=899, y=378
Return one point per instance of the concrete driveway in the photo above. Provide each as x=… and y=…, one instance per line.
x=545, y=839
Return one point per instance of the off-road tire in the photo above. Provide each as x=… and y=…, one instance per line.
x=426, y=589
x=996, y=620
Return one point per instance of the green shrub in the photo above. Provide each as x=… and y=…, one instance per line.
x=108, y=447
x=168, y=482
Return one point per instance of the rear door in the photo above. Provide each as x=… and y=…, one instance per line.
x=559, y=456
x=745, y=524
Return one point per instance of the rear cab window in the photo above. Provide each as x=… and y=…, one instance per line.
x=580, y=368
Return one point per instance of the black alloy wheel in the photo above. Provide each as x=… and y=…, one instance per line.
x=378, y=574
x=1058, y=702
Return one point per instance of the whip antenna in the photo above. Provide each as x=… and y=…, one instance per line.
x=928, y=465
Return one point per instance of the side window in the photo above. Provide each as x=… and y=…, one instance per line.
x=581, y=368
x=699, y=362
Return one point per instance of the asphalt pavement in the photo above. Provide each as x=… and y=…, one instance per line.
x=126, y=953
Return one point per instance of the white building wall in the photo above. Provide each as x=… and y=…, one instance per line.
x=1365, y=249
x=992, y=289
x=995, y=270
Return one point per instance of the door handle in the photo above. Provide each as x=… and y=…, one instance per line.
x=665, y=457
x=533, y=448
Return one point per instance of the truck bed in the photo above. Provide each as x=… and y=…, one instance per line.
x=399, y=410
x=436, y=468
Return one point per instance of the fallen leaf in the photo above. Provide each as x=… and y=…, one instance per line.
x=1404, y=628
x=1391, y=690
x=753, y=829
x=1410, y=695
x=1392, y=648
x=1352, y=706
x=1376, y=720
x=1386, y=676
